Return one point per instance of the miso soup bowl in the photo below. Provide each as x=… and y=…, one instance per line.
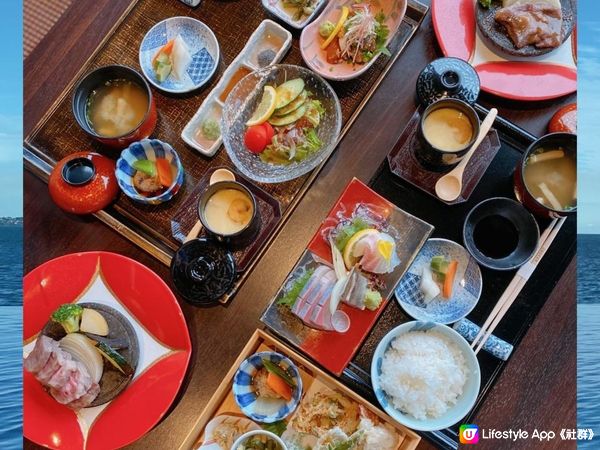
x=568, y=142
x=243, y=237
x=97, y=78
x=438, y=159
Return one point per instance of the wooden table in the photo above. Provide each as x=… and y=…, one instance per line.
x=537, y=389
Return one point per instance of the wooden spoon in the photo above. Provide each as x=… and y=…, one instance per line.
x=449, y=187
x=218, y=175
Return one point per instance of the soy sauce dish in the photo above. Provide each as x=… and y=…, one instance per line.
x=501, y=234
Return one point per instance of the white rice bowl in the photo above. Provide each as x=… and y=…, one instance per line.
x=423, y=373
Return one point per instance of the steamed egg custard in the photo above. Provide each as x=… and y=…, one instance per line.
x=228, y=211
x=447, y=129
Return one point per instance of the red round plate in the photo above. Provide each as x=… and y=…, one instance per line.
x=162, y=333
x=456, y=32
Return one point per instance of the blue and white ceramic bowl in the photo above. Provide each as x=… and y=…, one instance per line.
x=465, y=402
x=467, y=285
x=259, y=409
x=202, y=45
x=148, y=149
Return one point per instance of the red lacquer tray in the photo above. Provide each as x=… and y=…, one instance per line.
x=530, y=79
x=165, y=349
x=331, y=349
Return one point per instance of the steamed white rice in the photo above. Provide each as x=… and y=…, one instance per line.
x=423, y=373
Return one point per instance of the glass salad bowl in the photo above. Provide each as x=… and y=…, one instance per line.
x=243, y=101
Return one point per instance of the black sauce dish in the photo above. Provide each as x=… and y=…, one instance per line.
x=241, y=238
x=437, y=159
x=501, y=234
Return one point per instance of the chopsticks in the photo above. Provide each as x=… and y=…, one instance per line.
x=516, y=285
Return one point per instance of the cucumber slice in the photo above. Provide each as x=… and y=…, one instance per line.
x=313, y=115
x=294, y=105
x=288, y=91
x=289, y=118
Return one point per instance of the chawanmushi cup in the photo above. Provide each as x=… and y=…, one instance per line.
x=98, y=77
x=439, y=159
x=242, y=237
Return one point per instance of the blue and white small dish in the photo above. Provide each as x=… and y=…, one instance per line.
x=464, y=402
x=467, y=285
x=257, y=408
x=148, y=149
x=201, y=43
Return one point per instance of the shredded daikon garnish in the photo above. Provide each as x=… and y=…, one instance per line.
x=360, y=29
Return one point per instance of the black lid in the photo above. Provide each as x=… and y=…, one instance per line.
x=203, y=271
x=447, y=77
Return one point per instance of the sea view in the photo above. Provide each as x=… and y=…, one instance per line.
x=588, y=336
x=11, y=272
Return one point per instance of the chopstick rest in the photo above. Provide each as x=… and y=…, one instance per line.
x=494, y=345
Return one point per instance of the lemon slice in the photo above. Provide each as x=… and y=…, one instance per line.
x=349, y=259
x=265, y=107
x=337, y=28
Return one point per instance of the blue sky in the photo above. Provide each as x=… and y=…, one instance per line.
x=588, y=115
x=11, y=110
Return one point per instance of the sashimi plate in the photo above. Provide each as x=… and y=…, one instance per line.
x=149, y=306
x=334, y=348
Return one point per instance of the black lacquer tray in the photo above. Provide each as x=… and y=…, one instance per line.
x=448, y=222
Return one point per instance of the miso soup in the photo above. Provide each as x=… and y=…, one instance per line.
x=116, y=107
x=551, y=177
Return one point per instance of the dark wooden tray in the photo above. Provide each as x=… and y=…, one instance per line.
x=448, y=222
x=58, y=135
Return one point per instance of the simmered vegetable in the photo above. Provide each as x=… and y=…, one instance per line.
x=82, y=349
x=68, y=316
x=114, y=358
x=93, y=322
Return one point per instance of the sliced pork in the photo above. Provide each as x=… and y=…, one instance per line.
x=38, y=358
x=532, y=23
x=67, y=379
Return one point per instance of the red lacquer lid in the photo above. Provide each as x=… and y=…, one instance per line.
x=564, y=120
x=83, y=183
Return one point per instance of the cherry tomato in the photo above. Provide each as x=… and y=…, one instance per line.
x=256, y=138
x=269, y=130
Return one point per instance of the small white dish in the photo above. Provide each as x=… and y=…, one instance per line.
x=286, y=15
x=226, y=420
x=270, y=38
x=201, y=43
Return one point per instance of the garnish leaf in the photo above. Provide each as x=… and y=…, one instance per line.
x=290, y=297
x=274, y=368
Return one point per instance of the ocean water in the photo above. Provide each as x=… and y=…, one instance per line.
x=588, y=337
x=11, y=400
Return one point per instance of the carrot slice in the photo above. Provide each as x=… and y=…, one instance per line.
x=278, y=385
x=163, y=167
x=167, y=48
x=449, y=279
